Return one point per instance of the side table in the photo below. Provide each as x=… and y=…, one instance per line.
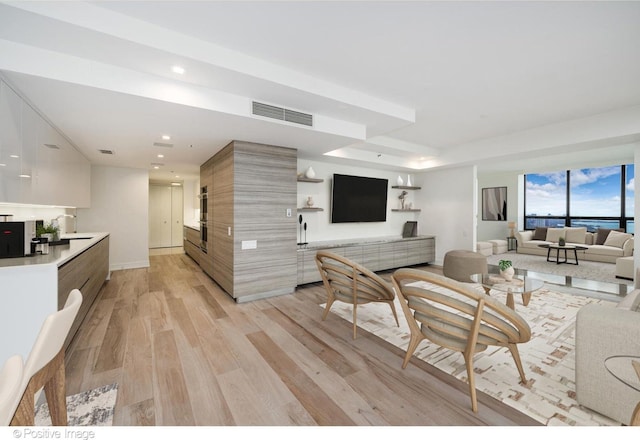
x=627, y=370
x=512, y=244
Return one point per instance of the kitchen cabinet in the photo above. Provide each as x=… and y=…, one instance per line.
x=374, y=254
x=86, y=272
x=53, y=171
x=252, y=240
x=191, y=244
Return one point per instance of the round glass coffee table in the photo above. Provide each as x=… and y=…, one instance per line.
x=518, y=285
x=627, y=370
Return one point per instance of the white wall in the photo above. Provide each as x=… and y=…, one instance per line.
x=448, y=200
x=448, y=203
x=319, y=226
x=490, y=230
x=120, y=206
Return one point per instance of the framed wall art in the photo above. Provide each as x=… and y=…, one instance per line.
x=494, y=203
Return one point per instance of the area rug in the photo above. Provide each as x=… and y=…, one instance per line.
x=548, y=358
x=91, y=408
x=587, y=270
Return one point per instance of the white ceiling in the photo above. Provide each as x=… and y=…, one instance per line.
x=398, y=85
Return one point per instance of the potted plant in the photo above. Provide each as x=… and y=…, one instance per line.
x=506, y=269
x=48, y=231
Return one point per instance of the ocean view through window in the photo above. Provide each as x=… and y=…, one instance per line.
x=590, y=197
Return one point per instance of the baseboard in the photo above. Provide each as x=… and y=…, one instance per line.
x=130, y=265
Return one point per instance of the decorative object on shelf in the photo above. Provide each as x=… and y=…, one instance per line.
x=402, y=197
x=400, y=181
x=409, y=205
x=302, y=227
x=512, y=227
x=561, y=241
x=309, y=202
x=310, y=174
x=409, y=180
x=506, y=269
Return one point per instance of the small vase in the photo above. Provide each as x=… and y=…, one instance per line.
x=409, y=180
x=507, y=274
x=310, y=174
x=309, y=202
x=400, y=181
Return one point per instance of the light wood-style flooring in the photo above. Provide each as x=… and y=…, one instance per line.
x=184, y=353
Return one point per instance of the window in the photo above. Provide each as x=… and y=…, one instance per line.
x=592, y=197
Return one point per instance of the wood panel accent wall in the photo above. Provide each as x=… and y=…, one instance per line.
x=222, y=210
x=253, y=185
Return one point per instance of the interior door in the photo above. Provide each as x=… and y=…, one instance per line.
x=159, y=216
x=177, y=213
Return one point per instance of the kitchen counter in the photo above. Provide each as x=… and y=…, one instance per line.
x=31, y=288
x=60, y=254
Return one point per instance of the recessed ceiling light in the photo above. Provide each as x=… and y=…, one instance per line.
x=156, y=167
x=178, y=69
x=177, y=177
x=26, y=176
x=175, y=183
x=14, y=156
x=3, y=164
x=160, y=156
x=166, y=137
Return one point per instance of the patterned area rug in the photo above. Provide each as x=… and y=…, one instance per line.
x=548, y=358
x=91, y=408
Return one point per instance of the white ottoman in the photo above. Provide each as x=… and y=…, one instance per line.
x=624, y=267
x=485, y=248
x=499, y=246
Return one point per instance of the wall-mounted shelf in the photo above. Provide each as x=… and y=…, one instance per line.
x=310, y=209
x=406, y=187
x=306, y=179
x=406, y=210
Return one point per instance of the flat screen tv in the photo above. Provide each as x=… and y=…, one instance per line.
x=358, y=199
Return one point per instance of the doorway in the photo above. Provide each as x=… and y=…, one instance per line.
x=165, y=216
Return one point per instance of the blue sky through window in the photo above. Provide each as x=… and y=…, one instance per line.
x=595, y=192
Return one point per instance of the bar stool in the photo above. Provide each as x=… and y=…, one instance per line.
x=45, y=366
x=10, y=382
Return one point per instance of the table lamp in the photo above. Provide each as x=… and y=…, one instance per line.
x=512, y=227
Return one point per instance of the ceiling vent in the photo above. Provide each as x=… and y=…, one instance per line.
x=106, y=151
x=282, y=114
x=162, y=144
x=52, y=146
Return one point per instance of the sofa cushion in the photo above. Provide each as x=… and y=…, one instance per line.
x=617, y=239
x=603, y=233
x=602, y=250
x=575, y=235
x=553, y=234
x=540, y=234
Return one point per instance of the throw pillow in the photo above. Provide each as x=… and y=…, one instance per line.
x=553, y=234
x=575, y=235
x=540, y=234
x=617, y=239
x=603, y=233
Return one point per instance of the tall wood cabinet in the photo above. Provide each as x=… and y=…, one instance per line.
x=251, y=249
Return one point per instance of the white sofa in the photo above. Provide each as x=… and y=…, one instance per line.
x=616, y=244
x=604, y=332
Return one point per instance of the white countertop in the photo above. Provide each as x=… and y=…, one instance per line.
x=60, y=254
